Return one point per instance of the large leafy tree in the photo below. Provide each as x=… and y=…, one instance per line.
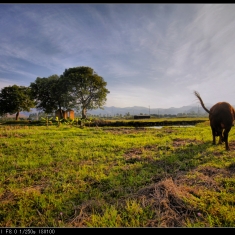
x=50, y=94
x=15, y=99
x=86, y=89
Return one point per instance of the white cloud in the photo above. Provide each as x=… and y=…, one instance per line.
x=149, y=54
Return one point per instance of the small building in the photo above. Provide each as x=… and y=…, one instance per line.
x=141, y=116
x=69, y=113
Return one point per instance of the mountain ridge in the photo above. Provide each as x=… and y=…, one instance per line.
x=137, y=110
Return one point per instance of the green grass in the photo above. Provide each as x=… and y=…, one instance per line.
x=115, y=177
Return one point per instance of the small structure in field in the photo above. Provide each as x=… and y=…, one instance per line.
x=61, y=114
x=69, y=113
x=141, y=116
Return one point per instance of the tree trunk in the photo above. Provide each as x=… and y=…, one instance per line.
x=61, y=114
x=17, y=115
x=83, y=113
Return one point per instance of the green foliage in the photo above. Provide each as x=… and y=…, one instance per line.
x=15, y=99
x=78, y=87
x=74, y=122
x=19, y=122
x=86, y=88
x=49, y=93
x=69, y=122
x=59, y=121
x=85, y=122
x=47, y=120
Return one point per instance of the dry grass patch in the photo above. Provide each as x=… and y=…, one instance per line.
x=136, y=154
x=178, y=142
x=167, y=200
x=82, y=213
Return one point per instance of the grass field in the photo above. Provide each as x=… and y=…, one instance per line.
x=69, y=176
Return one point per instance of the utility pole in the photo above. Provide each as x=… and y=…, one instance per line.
x=149, y=110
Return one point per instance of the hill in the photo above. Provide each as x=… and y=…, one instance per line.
x=136, y=110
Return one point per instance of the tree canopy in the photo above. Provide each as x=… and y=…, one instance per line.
x=86, y=89
x=49, y=93
x=15, y=99
x=79, y=87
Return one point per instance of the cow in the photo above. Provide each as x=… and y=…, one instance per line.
x=221, y=116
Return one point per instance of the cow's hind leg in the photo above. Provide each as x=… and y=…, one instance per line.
x=214, y=135
x=226, y=131
x=221, y=137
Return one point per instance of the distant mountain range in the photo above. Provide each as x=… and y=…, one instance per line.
x=137, y=110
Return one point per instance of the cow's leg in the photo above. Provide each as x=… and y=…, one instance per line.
x=213, y=134
x=221, y=137
x=226, y=131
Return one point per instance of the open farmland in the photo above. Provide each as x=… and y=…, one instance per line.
x=69, y=176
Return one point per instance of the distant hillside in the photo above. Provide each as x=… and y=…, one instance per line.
x=136, y=110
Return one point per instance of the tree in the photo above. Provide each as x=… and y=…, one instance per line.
x=50, y=94
x=86, y=89
x=15, y=99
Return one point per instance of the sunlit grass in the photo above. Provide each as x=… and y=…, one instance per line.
x=99, y=177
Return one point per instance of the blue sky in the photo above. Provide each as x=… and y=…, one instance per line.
x=149, y=54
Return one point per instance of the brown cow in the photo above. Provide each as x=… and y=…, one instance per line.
x=221, y=117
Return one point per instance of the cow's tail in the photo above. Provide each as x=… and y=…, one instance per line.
x=200, y=99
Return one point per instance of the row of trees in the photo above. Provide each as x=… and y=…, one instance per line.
x=77, y=88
